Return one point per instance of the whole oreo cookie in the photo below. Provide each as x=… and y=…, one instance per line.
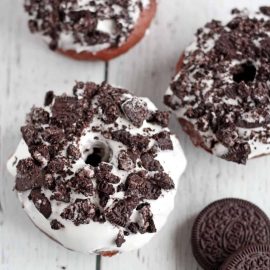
x=249, y=258
x=226, y=226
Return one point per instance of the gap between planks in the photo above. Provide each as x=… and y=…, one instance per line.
x=106, y=75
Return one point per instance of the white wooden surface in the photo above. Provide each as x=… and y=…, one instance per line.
x=28, y=69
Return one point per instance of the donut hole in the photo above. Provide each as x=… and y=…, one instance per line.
x=97, y=154
x=245, y=73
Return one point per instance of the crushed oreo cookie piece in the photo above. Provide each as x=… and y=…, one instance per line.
x=61, y=192
x=82, y=182
x=163, y=180
x=41, y=202
x=147, y=222
x=40, y=153
x=29, y=175
x=136, y=141
x=30, y=135
x=159, y=117
x=56, y=225
x=80, y=212
x=149, y=163
x=140, y=186
x=120, y=240
x=73, y=152
x=121, y=211
x=239, y=153
x=48, y=98
x=125, y=162
x=136, y=111
x=103, y=173
x=164, y=140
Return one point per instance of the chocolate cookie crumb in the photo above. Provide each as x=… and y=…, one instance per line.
x=120, y=240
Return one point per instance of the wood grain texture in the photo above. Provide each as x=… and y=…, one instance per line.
x=28, y=69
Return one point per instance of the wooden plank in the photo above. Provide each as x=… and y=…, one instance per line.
x=27, y=70
x=147, y=70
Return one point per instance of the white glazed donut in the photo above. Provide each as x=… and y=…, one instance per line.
x=97, y=171
x=221, y=94
x=86, y=30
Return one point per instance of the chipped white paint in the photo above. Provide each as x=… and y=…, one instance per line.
x=27, y=69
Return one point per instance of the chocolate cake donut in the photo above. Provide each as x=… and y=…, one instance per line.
x=90, y=30
x=96, y=171
x=220, y=94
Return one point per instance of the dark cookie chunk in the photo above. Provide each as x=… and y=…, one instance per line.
x=29, y=175
x=110, y=109
x=82, y=182
x=103, y=173
x=120, y=240
x=65, y=110
x=53, y=135
x=56, y=225
x=121, y=211
x=224, y=227
x=160, y=117
x=73, y=152
x=83, y=20
x=48, y=98
x=249, y=258
x=135, y=110
x=39, y=116
x=163, y=180
x=239, y=153
x=265, y=10
x=80, y=212
x=41, y=202
x=103, y=199
x=140, y=186
x=87, y=90
x=149, y=163
x=61, y=192
x=227, y=134
x=30, y=135
x=164, y=140
x=40, y=153
x=57, y=165
x=147, y=222
x=105, y=188
x=134, y=227
x=137, y=141
x=125, y=162
x=49, y=181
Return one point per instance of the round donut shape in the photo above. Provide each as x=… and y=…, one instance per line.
x=225, y=226
x=220, y=94
x=251, y=257
x=95, y=171
x=85, y=30
x=135, y=37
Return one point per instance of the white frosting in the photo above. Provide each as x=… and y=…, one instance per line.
x=106, y=25
x=95, y=237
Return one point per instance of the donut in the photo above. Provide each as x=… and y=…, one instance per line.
x=90, y=30
x=220, y=94
x=97, y=171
